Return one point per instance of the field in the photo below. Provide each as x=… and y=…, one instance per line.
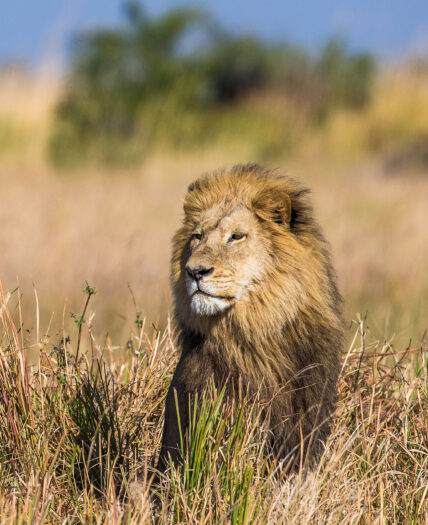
x=78, y=431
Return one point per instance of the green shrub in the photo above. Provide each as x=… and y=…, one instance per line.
x=134, y=86
x=345, y=80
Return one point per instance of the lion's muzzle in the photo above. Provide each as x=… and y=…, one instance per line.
x=197, y=272
x=203, y=297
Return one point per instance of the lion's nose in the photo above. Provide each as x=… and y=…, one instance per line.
x=198, y=272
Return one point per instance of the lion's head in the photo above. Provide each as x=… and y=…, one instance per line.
x=247, y=242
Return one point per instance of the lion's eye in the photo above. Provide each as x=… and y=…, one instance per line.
x=197, y=236
x=237, y=236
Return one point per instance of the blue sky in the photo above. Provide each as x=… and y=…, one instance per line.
x=34, y=30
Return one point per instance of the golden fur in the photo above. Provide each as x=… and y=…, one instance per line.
x=256, y=300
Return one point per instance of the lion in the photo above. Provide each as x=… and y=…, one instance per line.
x=256, y=301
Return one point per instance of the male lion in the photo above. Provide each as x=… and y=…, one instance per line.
x=256, y=301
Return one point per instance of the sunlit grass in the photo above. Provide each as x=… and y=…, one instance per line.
x=79, y=438
x=396, y=115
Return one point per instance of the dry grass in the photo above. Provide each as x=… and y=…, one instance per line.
x=397, y=113
x=59, y=229
x=115, y=229
x=77, y=433
x=79, y=436
x=27, y=102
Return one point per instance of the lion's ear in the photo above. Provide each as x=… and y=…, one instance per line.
x=273, y=205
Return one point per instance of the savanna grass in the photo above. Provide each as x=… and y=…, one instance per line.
x=80, y=433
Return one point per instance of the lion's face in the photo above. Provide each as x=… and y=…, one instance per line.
x=236, y=253
x=227, y=257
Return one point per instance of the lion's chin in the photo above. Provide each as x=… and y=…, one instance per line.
x=203, y=304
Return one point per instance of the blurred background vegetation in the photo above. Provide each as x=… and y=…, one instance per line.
x=181, y=81
x=95, y=159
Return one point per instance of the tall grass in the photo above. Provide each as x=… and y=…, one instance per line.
x=81, y=415
x=79, y=436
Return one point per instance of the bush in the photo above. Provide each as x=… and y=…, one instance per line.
x=123, y=81
x=345, y=80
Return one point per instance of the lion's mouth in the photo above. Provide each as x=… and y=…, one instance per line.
x=225, y=297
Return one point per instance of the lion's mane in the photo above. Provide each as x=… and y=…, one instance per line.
x=287, y=338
